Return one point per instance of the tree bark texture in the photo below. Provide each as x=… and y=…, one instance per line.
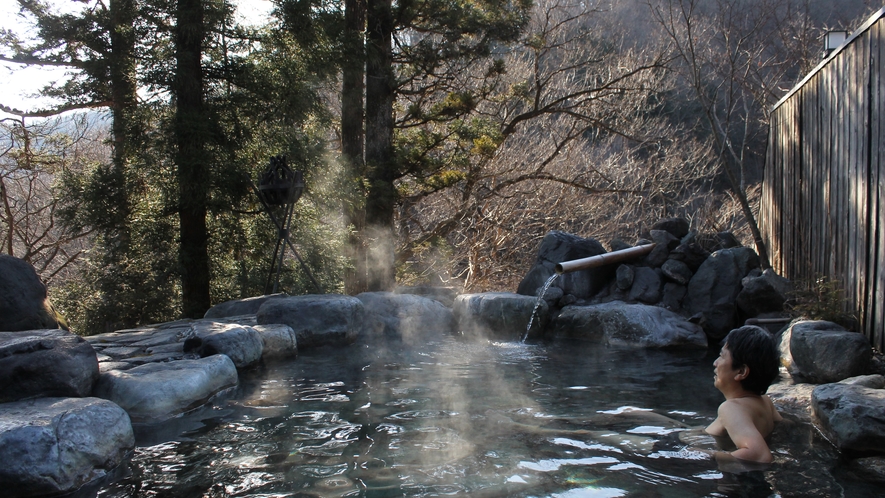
x=380, y=162
x=352, y=141
x=191, y=132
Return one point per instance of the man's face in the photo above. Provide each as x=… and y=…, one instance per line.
x=723, y=370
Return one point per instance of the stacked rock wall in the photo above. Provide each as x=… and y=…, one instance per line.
x=708, y=278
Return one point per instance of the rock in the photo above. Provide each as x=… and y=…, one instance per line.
x=870, y=469
x=717, y=241
x=672, y=297
x=763, y=294
x=241, y=343
x=624, y=277
x=677, y=271
x=678, y=227
x=664, y=243
x=558, y=247
x=775, y=323
x=553, y=295
x=50, y=446
x=647, y=285
x=38, y=363
x=664, y=238
x=566, y=300
x=412, y=319
x=501, y=315
x=713, y=289
x=787, y=335
x=239, y=307
x=445, y=295
x=633, y=325
x=821, y=356
x=158, y=391
x=690, y=253
x=852, y=416
x=793, y=399
x=618, y=245
x=872, y=381
x=279, y=340
x=23, y=301
x=317, y=319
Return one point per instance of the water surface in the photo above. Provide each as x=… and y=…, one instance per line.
x=460, y=418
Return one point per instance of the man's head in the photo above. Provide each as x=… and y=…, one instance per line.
x=754, y=348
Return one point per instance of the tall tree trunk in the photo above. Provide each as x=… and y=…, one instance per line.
x=121, y=65
x=380, y=164
x=122, y=78
x=190, y=131
x=352, y=140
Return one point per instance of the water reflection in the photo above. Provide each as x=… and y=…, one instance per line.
x=466, y=419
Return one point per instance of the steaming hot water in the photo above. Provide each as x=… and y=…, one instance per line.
x=461, y=418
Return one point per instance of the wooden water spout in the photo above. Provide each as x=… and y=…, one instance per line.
x=604, y=259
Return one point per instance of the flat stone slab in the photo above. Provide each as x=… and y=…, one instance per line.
x=50, y=446
x=121, y=352
x=159, y=391
x=165, y=342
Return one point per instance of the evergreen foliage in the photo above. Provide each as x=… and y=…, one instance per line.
x=482, y=125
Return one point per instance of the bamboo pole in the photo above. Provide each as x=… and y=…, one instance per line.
x=604, y=259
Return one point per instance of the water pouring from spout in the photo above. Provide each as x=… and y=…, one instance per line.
x=547, y=285
x=585, y=264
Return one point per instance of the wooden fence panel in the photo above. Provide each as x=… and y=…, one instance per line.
x=875, y=329
x=823, y=198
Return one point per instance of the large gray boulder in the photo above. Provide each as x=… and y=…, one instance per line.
x=280, y=341
x=853, y=416
x=317, y=319
x=713, y=289
x=241, y=343
x=159, y=391
x=39, y=363
x=23, y=301
x=557, y=247
x=412, y=319
x=51, y=446
x=634, y=325
x=239, y=307
x=821, y=354
x=786, y=337
x=501, y=315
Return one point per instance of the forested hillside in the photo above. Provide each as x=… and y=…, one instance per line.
x=439, y=140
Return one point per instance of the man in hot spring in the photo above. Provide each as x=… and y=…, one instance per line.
x=746, y=366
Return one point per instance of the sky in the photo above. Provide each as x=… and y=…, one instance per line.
x=18, y=83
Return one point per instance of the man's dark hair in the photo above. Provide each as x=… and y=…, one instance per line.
x=754, y=347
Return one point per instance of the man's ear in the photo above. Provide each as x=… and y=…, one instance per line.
x=742, y=373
